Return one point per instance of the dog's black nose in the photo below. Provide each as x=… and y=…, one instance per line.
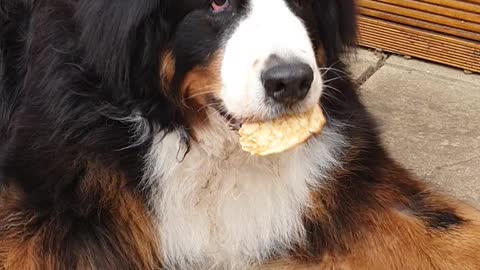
x=287, y=83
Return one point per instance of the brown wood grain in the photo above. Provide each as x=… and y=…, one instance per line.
x=473, y=1
x=402, y=39
x=420, y=24
x=436, y=9
x=456, y=4
x=422, y=15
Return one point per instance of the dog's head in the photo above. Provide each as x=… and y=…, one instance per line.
x=248, y=59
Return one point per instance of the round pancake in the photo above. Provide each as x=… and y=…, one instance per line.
x=282, y=134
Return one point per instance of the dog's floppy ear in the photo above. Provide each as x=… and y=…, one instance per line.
x=122, y=42
x=119, y=36
x=337, y=25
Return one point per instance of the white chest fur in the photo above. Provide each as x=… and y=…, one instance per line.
x=221, y=208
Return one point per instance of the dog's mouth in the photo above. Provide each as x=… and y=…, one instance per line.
x=276, y=135
x=234, y=123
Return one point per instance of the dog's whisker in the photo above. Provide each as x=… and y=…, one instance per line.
x=201, y=94
x=334, y=89
x=208, y=105
x=333, y=79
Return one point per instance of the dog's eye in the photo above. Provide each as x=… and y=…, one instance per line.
x=219, y=5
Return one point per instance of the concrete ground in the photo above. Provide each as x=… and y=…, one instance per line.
x=430, y=118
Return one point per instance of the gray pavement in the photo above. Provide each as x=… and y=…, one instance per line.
x=430, y=118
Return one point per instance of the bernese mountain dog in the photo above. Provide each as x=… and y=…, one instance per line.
x=119, y=145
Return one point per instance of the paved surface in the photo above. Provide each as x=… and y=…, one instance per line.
x=430, y=118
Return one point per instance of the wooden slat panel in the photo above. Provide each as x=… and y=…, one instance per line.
x=420, y=24
x=445, y=31
x=413, y=33
x=424, y=44
x=456, y=4
x=473, y=1
x=469, y=26
x=384, y=34
x=419, y=45
x=436, y=9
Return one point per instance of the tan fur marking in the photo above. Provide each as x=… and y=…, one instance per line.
x=388, y=237
x=394, y=241
x=199, y=83
x=202, y=80
x=15, y=253
x=167, y=69
x=30, y=242
x=135, y=226
x=321, y=56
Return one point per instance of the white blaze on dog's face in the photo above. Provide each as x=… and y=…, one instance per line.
x=269, y=36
